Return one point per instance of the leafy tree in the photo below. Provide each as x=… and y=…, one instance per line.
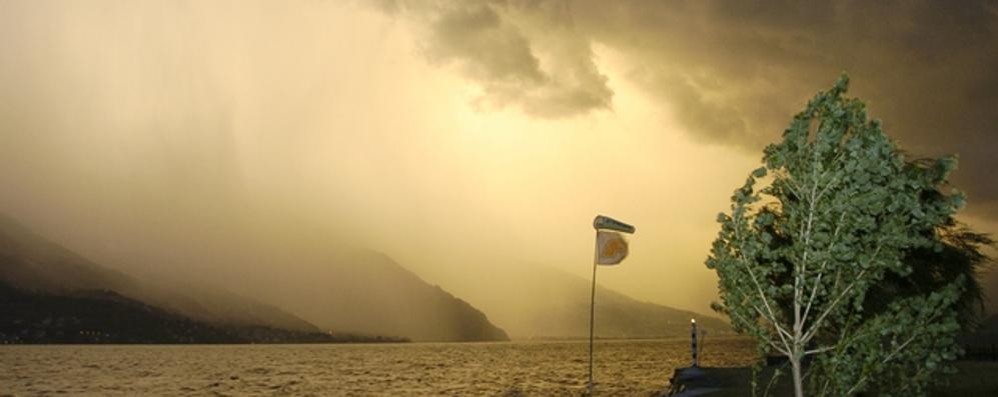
x=961, y=255
x=840, y=259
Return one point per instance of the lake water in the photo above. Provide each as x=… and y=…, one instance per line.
x=515, y=368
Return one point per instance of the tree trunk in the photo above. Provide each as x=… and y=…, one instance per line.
x=798, y=380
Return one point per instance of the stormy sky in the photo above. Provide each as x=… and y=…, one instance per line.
x=180, y=139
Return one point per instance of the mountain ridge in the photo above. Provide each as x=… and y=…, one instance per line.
x=378, y=295
x=355, y=295
x=533, y=301
x=42, y=282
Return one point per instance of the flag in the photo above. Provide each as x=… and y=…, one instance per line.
x=611, y=247
x=605, y=222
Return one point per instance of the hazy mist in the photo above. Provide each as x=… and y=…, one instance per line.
x=245, y=143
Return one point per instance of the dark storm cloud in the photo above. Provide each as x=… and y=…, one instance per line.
x=494, y=52
x=735, y=72
x=503, y=48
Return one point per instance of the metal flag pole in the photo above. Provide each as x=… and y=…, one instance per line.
x=616, y=252
x=592, y=315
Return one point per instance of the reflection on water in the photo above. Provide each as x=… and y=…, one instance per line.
x=516, y=368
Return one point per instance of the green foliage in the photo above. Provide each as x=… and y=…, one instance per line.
x=846, y=254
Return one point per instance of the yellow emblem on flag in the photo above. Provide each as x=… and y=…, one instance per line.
x=611, y=247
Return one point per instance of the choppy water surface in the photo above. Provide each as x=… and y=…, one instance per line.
x=515, y=368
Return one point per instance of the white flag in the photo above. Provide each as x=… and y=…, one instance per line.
x=611, y=247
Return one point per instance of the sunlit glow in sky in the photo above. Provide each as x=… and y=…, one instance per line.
x=184, y=139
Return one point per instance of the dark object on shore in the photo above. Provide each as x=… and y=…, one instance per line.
x=720, y=382
x=982, y=343
x=980, y=352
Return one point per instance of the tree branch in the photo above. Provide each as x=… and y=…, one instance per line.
x=762, y=295
x=886, y=359
x=783, y=334
x=821, y=272
x=784, y=350
x=817, y=323
x=819, y=350
x=802, y=267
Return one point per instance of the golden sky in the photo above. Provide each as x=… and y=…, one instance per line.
x=181, y=138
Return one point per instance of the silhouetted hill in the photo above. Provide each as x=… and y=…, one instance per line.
x=53, y=295
x=543, y=302
x=367, y=292
x=361, y=293
x=103, y=316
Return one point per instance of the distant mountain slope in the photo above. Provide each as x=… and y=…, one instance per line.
x=219, y=306
x=44, y=281
x=368, y=292
x=543, y=302
x=360, y=293
x=103, y=316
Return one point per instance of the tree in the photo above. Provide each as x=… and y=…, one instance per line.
x=961, y=255
x=808, y=262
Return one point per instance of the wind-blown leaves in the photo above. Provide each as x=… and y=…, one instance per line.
x=848, y=253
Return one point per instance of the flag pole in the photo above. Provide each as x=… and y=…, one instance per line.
x=616, y=252
x=592, y=314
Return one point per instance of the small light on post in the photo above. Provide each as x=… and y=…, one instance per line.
x=693, y=335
